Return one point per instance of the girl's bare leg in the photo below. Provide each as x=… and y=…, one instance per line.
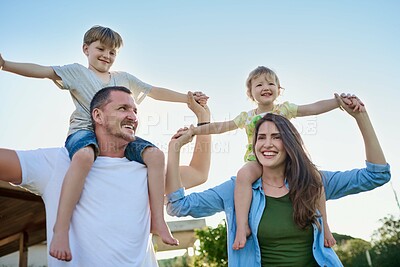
x=246, y=176
x=329, y=240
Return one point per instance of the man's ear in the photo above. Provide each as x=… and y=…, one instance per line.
x=97, y=116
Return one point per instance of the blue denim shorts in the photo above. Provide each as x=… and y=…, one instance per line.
x=84, y=138
x=135, y=149
x=81, y=139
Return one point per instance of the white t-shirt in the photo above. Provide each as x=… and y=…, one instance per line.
x=110, y=225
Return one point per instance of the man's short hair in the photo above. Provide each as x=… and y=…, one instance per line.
x=101, y=98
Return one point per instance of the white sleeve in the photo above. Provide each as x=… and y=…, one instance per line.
x=37, y=168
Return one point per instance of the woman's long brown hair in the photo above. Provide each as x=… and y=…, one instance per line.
x=304, y=180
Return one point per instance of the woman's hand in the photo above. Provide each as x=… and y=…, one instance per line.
x=351, y=101
x=182, y=137
x=202, y=112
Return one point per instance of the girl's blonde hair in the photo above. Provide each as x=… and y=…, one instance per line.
x=105, y=35
x=260, y=70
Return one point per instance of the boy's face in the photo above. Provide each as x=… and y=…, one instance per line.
x=100, y=56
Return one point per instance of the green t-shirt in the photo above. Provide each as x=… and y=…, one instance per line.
x=282, y=242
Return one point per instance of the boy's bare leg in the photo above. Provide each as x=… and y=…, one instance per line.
x=246, y=176
x=329, y=240
x=71, y=191
x=155, y=162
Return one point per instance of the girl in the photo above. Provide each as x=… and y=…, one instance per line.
x=263, y=87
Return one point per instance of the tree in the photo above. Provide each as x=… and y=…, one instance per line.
x=352, y=252
x=386, y=240
x=212, y=251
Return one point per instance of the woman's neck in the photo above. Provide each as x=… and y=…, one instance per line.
x=273, y=184
x=274, y=176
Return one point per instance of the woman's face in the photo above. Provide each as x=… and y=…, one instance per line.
x=269, y=148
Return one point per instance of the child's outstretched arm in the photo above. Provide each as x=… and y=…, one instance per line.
x=163, y=94
x=317, y=108
x=215, y=128
x=323, y=106
x=29, y=69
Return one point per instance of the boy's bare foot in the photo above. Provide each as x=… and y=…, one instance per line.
x=162, y=230
x=241, y=237
x=59, y=246
x=329, y=240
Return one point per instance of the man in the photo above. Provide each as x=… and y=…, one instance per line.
x=111, y=223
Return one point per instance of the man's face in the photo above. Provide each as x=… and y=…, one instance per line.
x=120, y=116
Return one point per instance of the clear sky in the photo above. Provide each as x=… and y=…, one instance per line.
x=316, y=48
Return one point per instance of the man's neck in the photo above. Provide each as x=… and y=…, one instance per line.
x=112, y=149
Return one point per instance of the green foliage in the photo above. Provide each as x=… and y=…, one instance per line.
x=384, y=250
x=212, y=251
x=341, y=238
x=386, y=242
x=183, y=261
x=352, y=251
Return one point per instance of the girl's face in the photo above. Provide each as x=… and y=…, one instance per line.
x=269, y=148
x=264, y=89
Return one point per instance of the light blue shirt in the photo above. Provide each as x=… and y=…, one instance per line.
x=220, y=198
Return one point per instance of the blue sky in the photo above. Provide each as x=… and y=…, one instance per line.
x=316, y=48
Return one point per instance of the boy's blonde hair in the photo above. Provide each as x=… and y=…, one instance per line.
x=105, y=35
x=260, y=70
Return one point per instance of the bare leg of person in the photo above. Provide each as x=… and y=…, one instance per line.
x=329, y=240
x=71, y=191
x=154, y=160
x=10, y=167
x=246, y=176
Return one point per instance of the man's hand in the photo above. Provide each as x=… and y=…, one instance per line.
x=200, y=98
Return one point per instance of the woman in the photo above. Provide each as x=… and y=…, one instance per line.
x=287, y=228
